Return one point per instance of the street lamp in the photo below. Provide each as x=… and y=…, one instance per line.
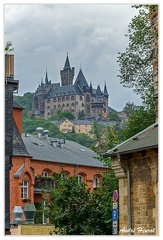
x=17, y=212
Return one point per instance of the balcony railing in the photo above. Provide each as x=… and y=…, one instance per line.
x=43, y=184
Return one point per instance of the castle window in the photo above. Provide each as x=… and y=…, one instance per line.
x=59, y=99
x=67, y=105
x=24, y=189
x=54, y=99
x=82, y=104
x=72, y=98
x=48, y=101
x=81, y=98
x=59, y=106
x=63, y=99
x=48, y=107
x=104, y=103
x=67, y=98
x=76, y=103
x=72, y=104
x=87, y=98
x=63, y=105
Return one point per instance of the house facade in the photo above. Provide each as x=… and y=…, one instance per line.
x=74, y=97
x=36, y=158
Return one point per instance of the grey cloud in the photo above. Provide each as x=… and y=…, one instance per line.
x=92, y=34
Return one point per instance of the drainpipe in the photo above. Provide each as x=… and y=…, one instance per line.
x=126, y=169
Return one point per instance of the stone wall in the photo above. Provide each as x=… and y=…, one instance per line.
x=143, y=168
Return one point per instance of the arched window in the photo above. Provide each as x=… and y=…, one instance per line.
x=80, y=178
x=96, y=181
x=44, y=174
x=24, y=189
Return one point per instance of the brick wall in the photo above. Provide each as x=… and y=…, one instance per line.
x=17, y=114
x=38, y=167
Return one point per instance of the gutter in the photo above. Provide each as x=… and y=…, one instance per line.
x=126, y=169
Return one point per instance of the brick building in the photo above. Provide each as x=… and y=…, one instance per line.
x=76, y=98
x=35, y=158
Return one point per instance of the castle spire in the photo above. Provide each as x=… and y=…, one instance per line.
x=67, y=64
x=105, y=91
x=46, y=77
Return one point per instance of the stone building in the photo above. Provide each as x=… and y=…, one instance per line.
x=135, y=163
x=74, y=97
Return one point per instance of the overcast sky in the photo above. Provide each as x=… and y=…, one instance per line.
x=91, y=34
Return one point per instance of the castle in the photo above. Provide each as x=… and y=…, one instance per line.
x=76, y=98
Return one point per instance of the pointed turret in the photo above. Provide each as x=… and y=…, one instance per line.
x=67, y=74
x=46, y=78
x=67, y=64
x=98, y=91
x=105, y=91
x=80, y=80
x=91, y=89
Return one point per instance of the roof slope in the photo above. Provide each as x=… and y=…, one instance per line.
x=64, y=91
x=80, y=80
x=71, y=153
x=17, y=105
x=19, y=148
x=145, y=139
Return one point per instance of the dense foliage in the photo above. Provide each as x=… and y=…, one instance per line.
x=135, y=64
x=75, y=210
x=113, y=115
x=140, y=119
x=61, y=115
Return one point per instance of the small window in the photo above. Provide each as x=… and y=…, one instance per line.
x=72, y=98
x=80, y=178
x=96, y=182
x=44, y=174
x=24, y=189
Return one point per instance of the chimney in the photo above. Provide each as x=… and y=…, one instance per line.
x=39, y=130
x=46, y=134
x=9, y=66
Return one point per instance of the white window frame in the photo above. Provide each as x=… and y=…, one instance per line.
x=44, y=174
x=80, y=178
x=24, y=189
x=96, y=182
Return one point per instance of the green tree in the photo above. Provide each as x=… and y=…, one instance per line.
x=60, y=115
x=75, y=210
x=113, y=115
x=140, y=119
x=136, y=68
x=129, y=108
x=26, y=102
x=81, y=114
x=8, y=47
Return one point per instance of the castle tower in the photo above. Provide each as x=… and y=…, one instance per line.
x=67, y=74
